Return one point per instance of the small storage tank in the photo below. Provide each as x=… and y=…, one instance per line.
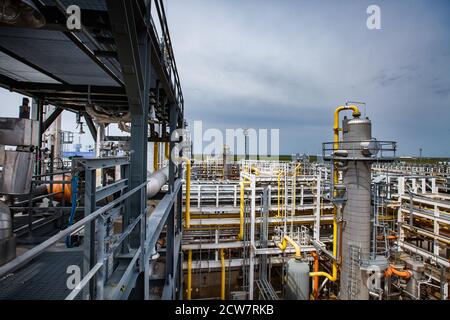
x=297, y=280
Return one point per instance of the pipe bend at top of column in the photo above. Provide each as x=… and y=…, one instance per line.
x=356, y=113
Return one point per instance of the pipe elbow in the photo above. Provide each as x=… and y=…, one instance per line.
x=330, y=277
x=285, y=241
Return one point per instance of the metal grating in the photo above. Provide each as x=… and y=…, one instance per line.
x=83, y=4
x=43, y=279
x=55, y=53
x=19, y=71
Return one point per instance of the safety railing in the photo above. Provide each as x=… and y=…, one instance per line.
x=372, y=150
x=99, y=245
x=161, y=30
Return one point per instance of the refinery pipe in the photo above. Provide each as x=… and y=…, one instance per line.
x=406, y=274
x=222, y=275
x=242, y=208
x=316, y=278
x=155, y=156
x=188, y=192
x=283, y=244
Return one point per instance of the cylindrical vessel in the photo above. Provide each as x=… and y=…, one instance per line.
x=5, y=222
x=356, y=210
x=7, y=238
x=297, y=280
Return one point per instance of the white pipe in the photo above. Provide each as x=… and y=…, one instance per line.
x=156, y=181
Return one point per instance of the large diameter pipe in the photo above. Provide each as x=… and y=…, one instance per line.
x=156, y=181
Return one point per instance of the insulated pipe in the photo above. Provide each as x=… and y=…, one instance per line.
x=336, y=129
x=155, y=156
x=189, y=276
x=156, y=181
x=283, y=244
x=222, y=275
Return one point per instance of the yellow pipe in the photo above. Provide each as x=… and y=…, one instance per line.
x=241, y=209
x=189, y=275
x=356, y=113
x=155, y=156
x=336, y=129
x=255, y=171
x=167, y=150
x=279, y=187
x=283, y=244
x=222, y=275
x=188, y=192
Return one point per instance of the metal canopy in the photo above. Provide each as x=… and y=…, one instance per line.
x=71, y=69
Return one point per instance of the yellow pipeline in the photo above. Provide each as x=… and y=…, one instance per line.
x=188, y=192
x=336, y=129
x=283, y=244
x=189, y=275
x=279, y=187
x=252, y=170
x=241, y=211
x=167, y=150
x=155, y=156
x=356, y=113
x=222, y=275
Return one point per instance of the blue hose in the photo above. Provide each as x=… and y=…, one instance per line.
x=73, y=209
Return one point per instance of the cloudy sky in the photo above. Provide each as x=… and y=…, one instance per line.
x=288, y=64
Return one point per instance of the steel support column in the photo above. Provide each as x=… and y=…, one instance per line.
x=133, y=51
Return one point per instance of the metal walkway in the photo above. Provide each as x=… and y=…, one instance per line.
x=44, y=279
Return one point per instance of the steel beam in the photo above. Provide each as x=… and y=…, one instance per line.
x=51, y=118
x=90, y=125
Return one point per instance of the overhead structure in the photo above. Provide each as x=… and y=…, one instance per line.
x=118, y=67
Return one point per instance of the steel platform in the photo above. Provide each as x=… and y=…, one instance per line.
x=45, y=278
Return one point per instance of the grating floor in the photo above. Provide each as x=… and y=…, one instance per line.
x=45, y=278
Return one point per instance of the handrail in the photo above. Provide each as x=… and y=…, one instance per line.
x=34, y=252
